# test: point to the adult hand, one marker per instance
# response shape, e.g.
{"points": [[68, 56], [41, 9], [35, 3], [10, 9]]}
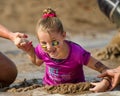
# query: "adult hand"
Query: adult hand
{"points": [[13, 36], [114, 74]]}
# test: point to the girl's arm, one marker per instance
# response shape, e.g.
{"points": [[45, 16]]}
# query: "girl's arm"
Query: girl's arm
{"points": [[98, 66], [27, 46], [33, 57]]}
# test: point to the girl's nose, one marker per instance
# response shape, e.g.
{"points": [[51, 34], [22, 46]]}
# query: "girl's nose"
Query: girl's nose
{"points": [[49, 46]]}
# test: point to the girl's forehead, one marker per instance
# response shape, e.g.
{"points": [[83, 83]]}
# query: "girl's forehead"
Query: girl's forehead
{"points": [[48, 35]]}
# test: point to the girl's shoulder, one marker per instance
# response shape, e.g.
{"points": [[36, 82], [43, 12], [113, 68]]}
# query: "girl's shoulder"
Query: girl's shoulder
{"points": [[73, 44], [76, 48], [78, 53]]}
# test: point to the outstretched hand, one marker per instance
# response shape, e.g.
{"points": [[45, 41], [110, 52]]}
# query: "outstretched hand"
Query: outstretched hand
{"points": [[20, 40], [101, 86], [17, 35], [114, 74]]}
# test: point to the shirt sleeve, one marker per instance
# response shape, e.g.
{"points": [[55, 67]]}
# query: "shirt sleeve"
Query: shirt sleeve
{"points": [[84, 56], [38, 51]]}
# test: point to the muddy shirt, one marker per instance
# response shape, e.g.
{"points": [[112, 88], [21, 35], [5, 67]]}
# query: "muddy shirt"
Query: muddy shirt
{"points": [[69, 70]]}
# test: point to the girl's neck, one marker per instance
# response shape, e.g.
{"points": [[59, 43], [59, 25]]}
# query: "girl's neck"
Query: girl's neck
{"points": [[64, 51]]}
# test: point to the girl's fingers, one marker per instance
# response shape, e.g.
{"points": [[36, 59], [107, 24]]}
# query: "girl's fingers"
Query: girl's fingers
{"points": [[26, 46], [93, 83], [92, 89], [26, 43]]}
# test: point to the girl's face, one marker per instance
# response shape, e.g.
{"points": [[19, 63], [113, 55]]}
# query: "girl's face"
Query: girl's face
{"points": [[52, 43]]}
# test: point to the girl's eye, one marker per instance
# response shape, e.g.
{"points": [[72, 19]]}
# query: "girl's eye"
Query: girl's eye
{"points": [[44, 46], [55, 43]]}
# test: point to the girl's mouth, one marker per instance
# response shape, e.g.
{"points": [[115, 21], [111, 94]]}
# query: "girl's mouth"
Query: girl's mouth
{"points": [[52, 53]]}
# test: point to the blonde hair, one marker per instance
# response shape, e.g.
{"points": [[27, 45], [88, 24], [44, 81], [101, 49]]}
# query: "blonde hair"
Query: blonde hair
{"points": [[50, 22]]}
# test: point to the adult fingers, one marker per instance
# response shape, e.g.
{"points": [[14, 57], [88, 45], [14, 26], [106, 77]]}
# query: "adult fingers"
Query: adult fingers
{"points": [[102, 75], [109, 73], [115, 81], [21, 35]]}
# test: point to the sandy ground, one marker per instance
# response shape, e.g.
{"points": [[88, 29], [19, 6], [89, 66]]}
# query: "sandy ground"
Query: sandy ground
{"points": [[83, 21], [29, 79]]}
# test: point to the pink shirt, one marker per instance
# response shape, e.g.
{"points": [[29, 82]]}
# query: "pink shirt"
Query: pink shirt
{"points": [[69, 70]]}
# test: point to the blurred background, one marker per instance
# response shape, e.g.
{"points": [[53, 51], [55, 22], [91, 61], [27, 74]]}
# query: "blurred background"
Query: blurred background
{"points": [[78, 16]]}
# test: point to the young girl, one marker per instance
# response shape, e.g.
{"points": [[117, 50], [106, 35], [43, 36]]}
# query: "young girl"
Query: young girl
{"points": [[64, 59]]}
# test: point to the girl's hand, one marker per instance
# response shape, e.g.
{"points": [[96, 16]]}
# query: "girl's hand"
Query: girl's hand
{"points": [[101, 86], [23, 44], [114, 74]]}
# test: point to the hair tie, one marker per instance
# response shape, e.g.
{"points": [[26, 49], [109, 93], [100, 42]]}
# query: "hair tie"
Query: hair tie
{"points": [[49, 15]]}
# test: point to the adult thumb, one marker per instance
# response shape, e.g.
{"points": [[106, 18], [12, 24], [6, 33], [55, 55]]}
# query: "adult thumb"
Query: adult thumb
{"points": [[23, 35], [102, 75]]}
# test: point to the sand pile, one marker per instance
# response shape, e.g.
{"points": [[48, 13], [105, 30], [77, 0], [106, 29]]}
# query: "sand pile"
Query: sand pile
{"points": [[78, 88], [68, 88]]}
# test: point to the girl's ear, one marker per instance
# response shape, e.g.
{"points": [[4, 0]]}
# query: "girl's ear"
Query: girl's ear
{"points": [[64, 34]]}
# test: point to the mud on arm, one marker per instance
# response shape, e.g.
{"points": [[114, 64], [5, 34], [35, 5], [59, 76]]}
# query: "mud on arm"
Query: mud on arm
{"points": [[96, 65], [100, 67]]}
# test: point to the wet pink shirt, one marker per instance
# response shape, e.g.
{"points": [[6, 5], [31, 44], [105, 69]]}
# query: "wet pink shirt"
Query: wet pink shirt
{"points": [[69, 70]]}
